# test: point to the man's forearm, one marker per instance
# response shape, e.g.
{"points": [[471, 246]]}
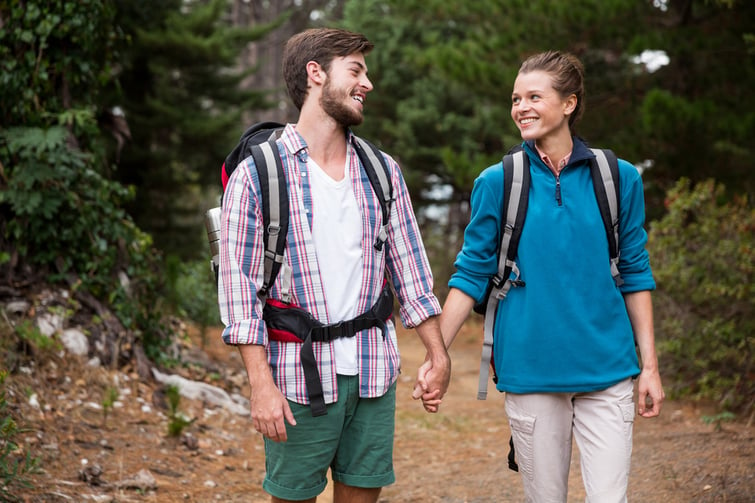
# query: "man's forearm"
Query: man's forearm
{"points": [[254, 357], [429, 333]]}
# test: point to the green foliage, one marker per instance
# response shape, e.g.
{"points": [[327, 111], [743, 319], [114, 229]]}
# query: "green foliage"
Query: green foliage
{"points": [[53, 55], [108, 401], [703, 255], [442, 93], [698, 112], [177, 421], [717, 419], [30, 335], [15, 467], [192, 292], [182, 96], [60, 212]]}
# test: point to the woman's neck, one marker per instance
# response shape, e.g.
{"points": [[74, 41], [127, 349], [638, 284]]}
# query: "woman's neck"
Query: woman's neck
{"points": [[555, 148]]}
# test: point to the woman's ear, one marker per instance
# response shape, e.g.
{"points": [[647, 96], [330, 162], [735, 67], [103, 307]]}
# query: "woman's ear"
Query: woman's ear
{"points": [[570, 104]]}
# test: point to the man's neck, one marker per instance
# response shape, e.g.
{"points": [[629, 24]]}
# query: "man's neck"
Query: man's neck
{"points": [[326, 142]]}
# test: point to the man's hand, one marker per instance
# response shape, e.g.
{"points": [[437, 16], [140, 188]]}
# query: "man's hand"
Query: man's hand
{"points": [[650, 393], [270, 411], [268, 407], [432, 383]]}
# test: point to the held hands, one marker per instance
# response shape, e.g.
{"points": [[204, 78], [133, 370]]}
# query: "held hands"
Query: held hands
{"points": [[650, 393], [432, 383], [269, 410]]}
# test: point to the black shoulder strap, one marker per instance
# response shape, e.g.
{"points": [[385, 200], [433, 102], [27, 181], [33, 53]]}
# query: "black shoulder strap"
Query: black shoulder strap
{"points": [[274, 208], [380, 179], [605, 180]]}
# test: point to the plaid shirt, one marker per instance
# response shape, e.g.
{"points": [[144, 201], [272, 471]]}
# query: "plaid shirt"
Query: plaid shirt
{"points": [[241, 272]]}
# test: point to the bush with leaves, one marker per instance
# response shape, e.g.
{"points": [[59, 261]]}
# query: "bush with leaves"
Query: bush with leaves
{"points": [[192, 292], [61, 214], [703, 255]]}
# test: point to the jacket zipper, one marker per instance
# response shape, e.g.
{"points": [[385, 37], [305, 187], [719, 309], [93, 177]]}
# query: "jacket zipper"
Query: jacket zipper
{"points": [[558, 189]]}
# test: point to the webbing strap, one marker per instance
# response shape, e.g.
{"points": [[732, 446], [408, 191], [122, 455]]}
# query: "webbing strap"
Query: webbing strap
{"points": [[513, 167], [275, 209], [605, 182], [377, 173], [312, 378], [376, 316], [512, 456], [329, 332]]}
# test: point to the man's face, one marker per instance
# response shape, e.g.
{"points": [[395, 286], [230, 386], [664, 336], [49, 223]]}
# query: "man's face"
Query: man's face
{"points": [[345, 89]]}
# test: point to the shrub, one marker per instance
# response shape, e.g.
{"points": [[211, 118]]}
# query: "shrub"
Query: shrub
{"points": [[192, 292], [703, 256]]}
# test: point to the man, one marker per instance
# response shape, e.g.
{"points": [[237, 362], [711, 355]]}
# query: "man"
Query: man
{"points": [[336, 273]]}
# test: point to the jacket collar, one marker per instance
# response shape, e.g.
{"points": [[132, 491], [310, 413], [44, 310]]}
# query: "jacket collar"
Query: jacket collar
{"points": [[580, 151]]}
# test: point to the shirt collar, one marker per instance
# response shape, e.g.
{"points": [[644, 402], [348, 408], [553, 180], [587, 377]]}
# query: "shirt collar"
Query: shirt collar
{"points": [[295, 143], [558, 166]]}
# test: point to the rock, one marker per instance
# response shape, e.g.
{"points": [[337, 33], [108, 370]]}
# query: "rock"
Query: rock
{"points": [[190, 441], [17, 307], [143, 481], [75, 341], [91, 474], [49, 323], [207, 393]]}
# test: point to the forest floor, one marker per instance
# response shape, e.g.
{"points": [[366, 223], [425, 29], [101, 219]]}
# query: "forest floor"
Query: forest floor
{"points": [[455, 456]]}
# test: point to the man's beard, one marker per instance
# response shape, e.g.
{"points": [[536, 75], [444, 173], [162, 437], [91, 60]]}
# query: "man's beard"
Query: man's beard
{"points": [[331, 102]]}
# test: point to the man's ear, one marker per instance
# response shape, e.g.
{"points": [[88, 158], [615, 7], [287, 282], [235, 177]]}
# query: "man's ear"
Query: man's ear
{"points": [[315, 72]]}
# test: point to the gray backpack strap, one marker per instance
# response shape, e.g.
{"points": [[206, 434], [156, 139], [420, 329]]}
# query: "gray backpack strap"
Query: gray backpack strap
{"points": [[274, 210], [515, 197], [605, 175], [379, 176]]}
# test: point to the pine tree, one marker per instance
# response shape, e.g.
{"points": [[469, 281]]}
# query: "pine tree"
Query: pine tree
{"points": [[184, 104]]}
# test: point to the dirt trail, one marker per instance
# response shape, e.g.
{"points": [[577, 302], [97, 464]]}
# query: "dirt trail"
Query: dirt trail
{"points": [[456, 456]]}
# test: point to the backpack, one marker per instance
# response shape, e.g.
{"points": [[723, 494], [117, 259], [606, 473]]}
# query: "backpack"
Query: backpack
{"points": [[259, 141], [516, 182]]}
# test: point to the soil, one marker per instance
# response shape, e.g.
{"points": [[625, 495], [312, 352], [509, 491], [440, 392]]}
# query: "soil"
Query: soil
{"points": [[455, 456]]}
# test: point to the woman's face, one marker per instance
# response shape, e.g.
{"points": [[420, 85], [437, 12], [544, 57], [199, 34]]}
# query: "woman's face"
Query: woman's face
{"points": [[538, 110]]}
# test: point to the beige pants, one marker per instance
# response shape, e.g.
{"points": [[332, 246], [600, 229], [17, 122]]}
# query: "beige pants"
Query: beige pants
{"points": [[542, 426]]}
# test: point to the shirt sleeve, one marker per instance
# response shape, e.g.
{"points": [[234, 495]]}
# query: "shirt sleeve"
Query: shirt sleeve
{"points": [[241, 259], [634, 262], [407, 262], [477, 261]]}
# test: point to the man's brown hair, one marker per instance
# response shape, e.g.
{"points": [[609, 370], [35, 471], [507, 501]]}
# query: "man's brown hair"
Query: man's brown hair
{"points": [[320, 45]]}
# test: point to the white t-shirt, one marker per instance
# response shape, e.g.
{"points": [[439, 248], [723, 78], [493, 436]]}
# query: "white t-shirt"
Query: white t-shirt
{"points": [[337, 234]]}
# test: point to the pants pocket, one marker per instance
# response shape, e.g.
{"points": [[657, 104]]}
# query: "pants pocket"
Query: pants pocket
{"points": [[522, 429], [628, 415]]}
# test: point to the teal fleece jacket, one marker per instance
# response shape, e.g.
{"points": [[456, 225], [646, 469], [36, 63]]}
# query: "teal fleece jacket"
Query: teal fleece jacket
{"points": [[567, 328]]}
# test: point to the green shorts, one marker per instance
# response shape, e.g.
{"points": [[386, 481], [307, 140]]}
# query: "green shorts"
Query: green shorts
{"points": [[354, 439]]}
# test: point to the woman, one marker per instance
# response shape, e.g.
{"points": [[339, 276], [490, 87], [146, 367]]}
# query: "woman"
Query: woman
{"points": [[564, 343]]}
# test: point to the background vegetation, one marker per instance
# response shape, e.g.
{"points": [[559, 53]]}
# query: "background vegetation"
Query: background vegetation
{"points": [[115, 116]]}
